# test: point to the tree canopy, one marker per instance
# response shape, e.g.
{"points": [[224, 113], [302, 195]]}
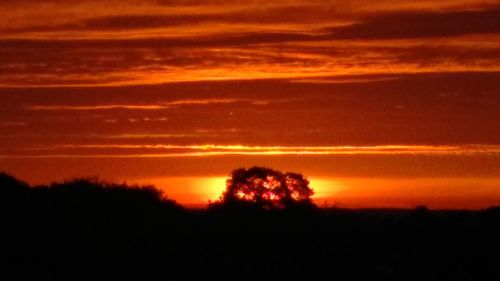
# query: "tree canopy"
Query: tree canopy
{"points": [[267, 188]]}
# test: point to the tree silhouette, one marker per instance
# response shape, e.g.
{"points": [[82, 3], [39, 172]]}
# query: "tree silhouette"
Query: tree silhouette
{"points": [[267, 188]]}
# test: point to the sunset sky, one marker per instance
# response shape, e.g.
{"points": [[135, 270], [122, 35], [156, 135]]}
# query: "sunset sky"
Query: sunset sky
{"points": [[379, 103]]}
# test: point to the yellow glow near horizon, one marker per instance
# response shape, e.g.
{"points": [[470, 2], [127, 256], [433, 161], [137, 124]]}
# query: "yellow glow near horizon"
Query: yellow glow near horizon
{"points": [[190, 191], [198, 191], [325, 189]]}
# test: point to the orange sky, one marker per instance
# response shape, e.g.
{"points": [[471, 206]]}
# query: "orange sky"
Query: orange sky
{"points": [[380, 103]]}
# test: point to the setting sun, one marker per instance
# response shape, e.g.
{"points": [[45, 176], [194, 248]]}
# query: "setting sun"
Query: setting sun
{"points": [[191, 191]]}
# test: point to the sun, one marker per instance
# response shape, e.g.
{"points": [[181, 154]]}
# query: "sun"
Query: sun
{"points": [[195, 191], [325, 188], [212, 187]]}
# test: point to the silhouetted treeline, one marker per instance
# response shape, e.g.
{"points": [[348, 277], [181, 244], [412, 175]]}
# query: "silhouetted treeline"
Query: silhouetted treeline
{"points": [[89, 230]]}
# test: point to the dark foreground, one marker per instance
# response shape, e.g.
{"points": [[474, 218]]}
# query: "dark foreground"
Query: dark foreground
{"points": [[84, 231]]}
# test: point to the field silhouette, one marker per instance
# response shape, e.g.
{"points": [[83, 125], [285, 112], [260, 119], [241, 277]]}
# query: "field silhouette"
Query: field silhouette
{"points": [[86, 229]]}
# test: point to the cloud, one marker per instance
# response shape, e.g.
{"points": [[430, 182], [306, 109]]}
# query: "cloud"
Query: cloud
{"points": [[13, 124], [304, 22], [264, 16], [97, 107], [157, 106], [166, 150], [380, 42], [57, 15], [216, 40], [405, 25], [53, 63]]}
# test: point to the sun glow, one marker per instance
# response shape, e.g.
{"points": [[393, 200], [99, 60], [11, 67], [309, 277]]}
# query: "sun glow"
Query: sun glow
{"points": [[199, 191], [325, 189], [190, 191]]}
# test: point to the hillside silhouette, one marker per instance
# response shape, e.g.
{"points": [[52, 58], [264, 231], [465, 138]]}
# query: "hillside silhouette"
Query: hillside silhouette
{"points": [[87, 229]]}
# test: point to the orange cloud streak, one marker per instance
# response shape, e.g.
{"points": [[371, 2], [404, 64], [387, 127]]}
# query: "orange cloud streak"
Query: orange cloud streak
{"points": [[221, 150]]}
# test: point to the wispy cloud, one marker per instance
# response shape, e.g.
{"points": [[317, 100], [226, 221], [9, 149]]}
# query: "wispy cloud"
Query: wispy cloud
{"points": [[167, 150], [147, 43], [158, 106], [13, 124], [97, 107], [406, 24]]}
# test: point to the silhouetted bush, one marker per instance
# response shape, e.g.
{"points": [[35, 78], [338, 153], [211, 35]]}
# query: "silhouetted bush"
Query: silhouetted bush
{"points": [[8, 182], [13, 193]]}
